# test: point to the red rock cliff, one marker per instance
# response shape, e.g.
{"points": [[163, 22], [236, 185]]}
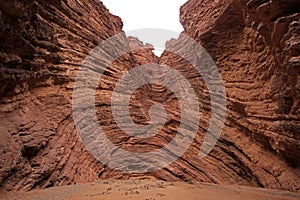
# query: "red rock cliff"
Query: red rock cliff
{"points": [[42, 45], [255, 45]]}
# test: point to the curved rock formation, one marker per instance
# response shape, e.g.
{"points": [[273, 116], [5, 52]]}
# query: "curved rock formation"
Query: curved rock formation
{"points": [[43, 44], [255, 45]]}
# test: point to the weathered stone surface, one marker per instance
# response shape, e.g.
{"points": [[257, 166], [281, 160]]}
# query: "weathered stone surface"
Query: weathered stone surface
{"points": [[142, 52], [42, 45], [255, 45]]}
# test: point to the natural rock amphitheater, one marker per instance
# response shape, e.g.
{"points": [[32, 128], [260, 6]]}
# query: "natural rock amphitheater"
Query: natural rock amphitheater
{"points": [[255, 45]]}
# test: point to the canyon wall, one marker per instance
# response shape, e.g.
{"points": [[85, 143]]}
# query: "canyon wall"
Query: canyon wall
{"points": [[255, 45], [43, 43]]}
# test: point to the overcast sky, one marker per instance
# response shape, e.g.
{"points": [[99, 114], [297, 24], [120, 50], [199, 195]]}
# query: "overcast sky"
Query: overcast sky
{"points": [[147, 13], [139, 14]]}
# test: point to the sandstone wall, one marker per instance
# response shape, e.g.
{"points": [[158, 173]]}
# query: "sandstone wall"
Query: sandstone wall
{"points": [[255, 45]]}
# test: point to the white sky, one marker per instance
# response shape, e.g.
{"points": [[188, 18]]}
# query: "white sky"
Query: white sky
{"points": [[147, 13], [138, 14]]}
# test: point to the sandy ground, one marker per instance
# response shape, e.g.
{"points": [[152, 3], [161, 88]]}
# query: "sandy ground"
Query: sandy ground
{"points": [[150, 190]]}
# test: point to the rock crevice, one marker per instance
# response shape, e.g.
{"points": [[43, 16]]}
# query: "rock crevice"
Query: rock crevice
{"points": [[255, 45]]}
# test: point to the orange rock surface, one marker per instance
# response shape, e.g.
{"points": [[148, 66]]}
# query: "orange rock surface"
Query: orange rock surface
{"points": [[255, 45]]}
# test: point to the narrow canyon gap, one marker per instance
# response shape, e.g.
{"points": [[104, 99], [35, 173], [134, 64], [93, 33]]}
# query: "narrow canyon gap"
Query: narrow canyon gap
{"points": [[255, 45]]}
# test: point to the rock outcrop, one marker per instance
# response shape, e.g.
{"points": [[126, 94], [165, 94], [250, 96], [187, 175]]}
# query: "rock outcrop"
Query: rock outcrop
{"points": [[255, 45], [42, 45]]}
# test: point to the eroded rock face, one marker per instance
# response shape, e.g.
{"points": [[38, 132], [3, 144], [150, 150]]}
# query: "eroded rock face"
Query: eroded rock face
{"points": [[255, 45], [42, 45]]}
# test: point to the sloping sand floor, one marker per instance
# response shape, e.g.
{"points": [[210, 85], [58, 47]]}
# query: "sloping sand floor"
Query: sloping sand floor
{"points": [[150, 190]]}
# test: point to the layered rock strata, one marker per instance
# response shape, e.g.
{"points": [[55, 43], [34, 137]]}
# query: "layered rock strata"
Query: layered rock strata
{"points": [[255, 45]]}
